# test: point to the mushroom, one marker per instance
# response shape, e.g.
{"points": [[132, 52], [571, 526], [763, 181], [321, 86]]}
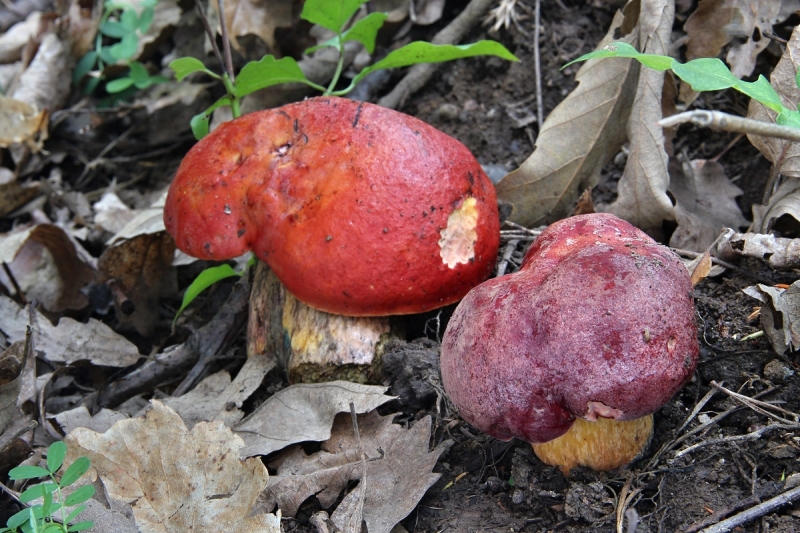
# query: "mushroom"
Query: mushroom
{"points": [[359, 210], [574, 352]]}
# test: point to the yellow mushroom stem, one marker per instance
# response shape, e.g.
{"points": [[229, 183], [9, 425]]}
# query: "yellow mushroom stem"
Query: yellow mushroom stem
{"points": [[602, 445]]}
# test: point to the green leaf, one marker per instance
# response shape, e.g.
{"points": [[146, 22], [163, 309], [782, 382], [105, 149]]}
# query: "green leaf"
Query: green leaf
{"points": [[55, 455], [145, 19], [705, 74], [138, 73], [106, 55], [621, 49], [125, 49], [91, 84], [199, 122], [81, 526], [27, 472], [129, 20], [331, 14], [761, 91], [186, 65], [421, 52], [84, 66], [268, 72], [81, 494], [19, 518], [790, 118], [204, 280], [75, 512], [112, 28], [75, 471], [37, 491], [365, 30], [119, 85]]}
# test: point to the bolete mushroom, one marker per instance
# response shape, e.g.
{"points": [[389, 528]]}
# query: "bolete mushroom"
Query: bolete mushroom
{"points": [[358, 209], [574, 352]]}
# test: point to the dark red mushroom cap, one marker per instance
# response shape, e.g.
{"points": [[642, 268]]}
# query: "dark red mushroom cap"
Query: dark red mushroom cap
{"points": [[359, 210], [599, 321]]}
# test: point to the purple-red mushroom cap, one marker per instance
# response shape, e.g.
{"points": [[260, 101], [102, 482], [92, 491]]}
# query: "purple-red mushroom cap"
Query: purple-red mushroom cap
{"points": [[598, 322]]}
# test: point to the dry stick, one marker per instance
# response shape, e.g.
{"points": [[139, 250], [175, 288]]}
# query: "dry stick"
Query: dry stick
{"points": [[226, 44], [537, 66], [203, 344], [716, 120], [209, 32], [759, 406], [419, 74], [755, 512], [727, 511]]}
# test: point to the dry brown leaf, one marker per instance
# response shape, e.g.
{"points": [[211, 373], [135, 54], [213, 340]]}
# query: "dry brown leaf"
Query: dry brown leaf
{"points": [[80, 417], [779, 252], [219, 398], [425, 12], [784, 202], [12, 363], [256, 17], [705, 204], [176, 479], [702, 269], [13, 195], [755, 17], [21, 123], [783, 154], [46, 82], [707, 28], [642, 191], [141, 273], [14, 40], [69, 341], [780, 314], [165, 14], [398, 471], [46, 266], [583, 132], [304, 412]]}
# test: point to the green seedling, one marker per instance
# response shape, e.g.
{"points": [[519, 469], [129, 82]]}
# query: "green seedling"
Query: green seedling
{"points": [[41, 518], [705, 74], [121, 22], [334, 16]]}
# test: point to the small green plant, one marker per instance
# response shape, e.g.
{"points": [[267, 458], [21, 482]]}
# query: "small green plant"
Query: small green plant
{"points": [[333, 15], [119, 21], [705, 74], [41, 518]]}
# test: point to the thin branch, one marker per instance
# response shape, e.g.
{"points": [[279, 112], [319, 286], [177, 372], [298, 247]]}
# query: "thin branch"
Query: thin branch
{"points": [[716, 120], [210, 33], [537, 65], [755, 512], [226, 43]]}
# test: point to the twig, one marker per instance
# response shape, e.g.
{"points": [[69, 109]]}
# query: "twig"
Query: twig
{"points": [[419, 74], [717, 120], [537, 65], [754, 512], [206, 340], [761, 407], [722, 513], [209, 32], [753, 435], [226, 44]]}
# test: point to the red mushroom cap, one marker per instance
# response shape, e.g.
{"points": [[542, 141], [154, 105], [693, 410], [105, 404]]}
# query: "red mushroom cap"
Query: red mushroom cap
{"points": [[359, 210], [599, 321]]}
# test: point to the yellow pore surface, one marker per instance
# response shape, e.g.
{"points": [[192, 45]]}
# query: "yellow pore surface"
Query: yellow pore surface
{"points": [[603, 445]]}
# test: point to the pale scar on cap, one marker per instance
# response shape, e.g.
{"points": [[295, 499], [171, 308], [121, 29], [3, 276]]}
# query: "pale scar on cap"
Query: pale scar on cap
{"points": [[457, 244]]}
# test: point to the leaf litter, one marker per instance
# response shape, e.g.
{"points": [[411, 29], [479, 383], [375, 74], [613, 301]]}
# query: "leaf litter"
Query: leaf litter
{"points": [[468, 479]]}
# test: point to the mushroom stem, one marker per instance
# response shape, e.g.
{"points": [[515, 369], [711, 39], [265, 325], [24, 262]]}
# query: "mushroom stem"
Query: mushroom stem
{"points": [[603, 445], [313, 346]]}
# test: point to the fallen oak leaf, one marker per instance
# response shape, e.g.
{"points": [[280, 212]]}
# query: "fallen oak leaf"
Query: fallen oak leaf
{"points": [[176, 479]]}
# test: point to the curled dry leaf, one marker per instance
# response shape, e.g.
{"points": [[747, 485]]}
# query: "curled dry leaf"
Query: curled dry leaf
{"points": [[785, 201], [780, 314], [14, 195], [70, 340], [176, 479], [14, 40], [778, 251], [783, 154], [397, 474], [304, 412], [642, 191], [141, 273], [46, 266], [583, 132], [46, 82]]}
